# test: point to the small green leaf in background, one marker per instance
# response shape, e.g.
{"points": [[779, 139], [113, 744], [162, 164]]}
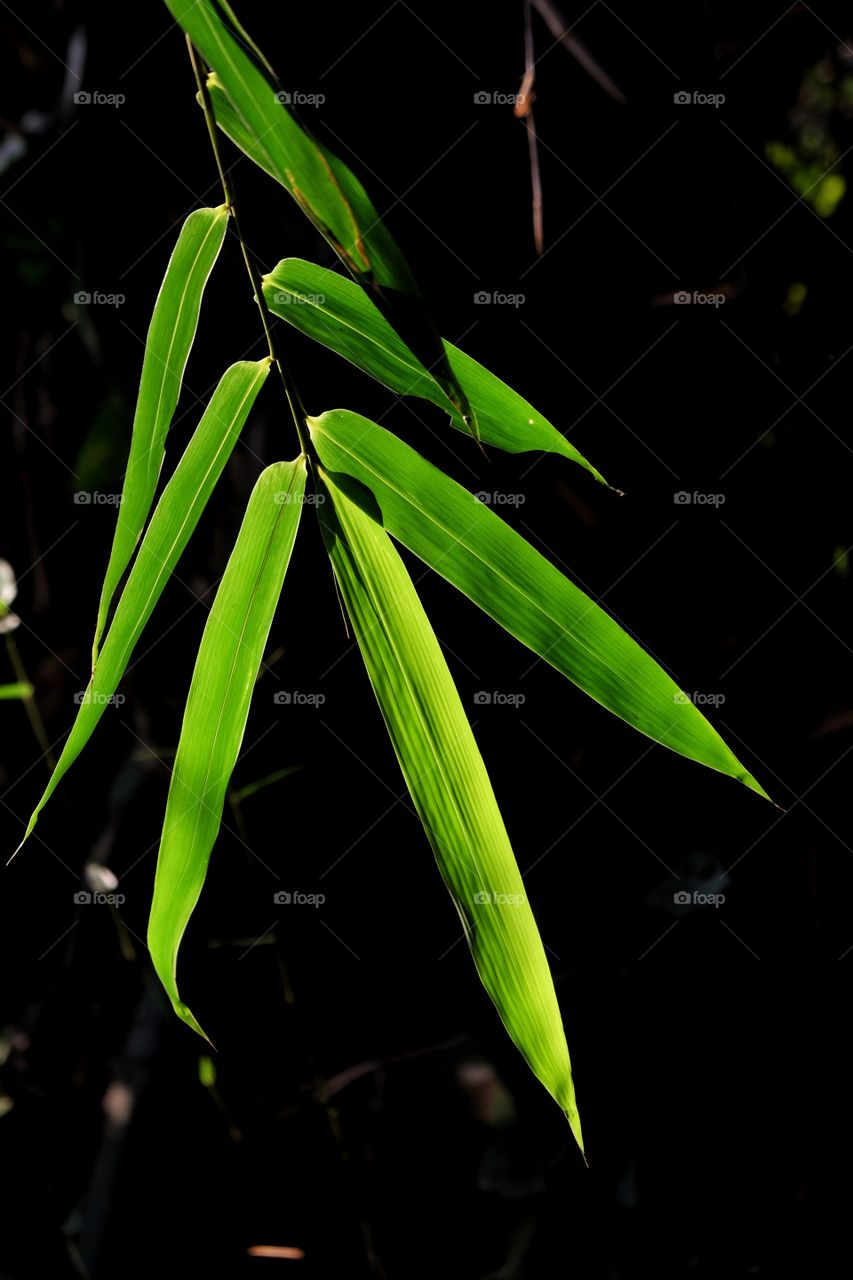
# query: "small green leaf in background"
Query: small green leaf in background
{"points": [[21, 691], [170, 337], [445, 774], [226, 668], [331, 309], [250, 106], [463, 540], [175, 516]]}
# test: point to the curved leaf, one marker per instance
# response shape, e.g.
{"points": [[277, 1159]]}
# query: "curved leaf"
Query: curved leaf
{"points": [[470, 546], [331, 309], [217, 708], [251, 106], [175, 516], [170, 337], [445, 774]]}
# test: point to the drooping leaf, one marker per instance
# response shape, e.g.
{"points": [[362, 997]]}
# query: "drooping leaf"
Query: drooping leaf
{"points": [[445, 774], [170, 337], [174, 518], [252, 108], [331, 309], [463, 540], [217, 709]]}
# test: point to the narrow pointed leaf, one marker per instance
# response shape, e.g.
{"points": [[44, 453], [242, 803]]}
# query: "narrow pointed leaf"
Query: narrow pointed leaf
{"points": [[331, 309], [252, 107], [445, 774], [174, 518], [217, 709], [170, 337], [463, 540]]}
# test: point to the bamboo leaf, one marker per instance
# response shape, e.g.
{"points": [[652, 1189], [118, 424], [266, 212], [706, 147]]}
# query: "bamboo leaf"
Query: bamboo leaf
{"points": [[217, 709], [175, 516], [448, 782], [170, 337], [20, 690], [331, 309], [250, 105], [463, 540]]}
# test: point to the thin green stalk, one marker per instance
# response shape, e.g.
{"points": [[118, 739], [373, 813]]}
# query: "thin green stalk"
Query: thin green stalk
{"points": [[36, 722], [290, 390]]}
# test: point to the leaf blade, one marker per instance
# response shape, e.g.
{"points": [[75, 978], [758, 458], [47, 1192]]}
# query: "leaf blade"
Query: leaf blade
{"points": [[251, 107], [447, 779], [217, 709], [332, 310], [464, 541], [168, 532], [170, 337]]}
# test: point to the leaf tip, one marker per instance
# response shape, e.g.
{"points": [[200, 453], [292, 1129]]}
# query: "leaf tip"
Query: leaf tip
{"points": [[186, 1015]]}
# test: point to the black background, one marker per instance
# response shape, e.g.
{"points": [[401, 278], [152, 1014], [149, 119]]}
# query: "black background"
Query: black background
{"points": [[708, 1044]]}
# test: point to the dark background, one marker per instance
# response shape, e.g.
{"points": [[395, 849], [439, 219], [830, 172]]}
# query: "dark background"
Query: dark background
{"points": [[368, 1108]]}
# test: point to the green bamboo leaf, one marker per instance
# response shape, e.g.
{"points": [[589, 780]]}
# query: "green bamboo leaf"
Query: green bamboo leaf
{"points": [[332, 310], [170, 337], [217, 709], [20, 690], [448, 782], [463, 540], [175, 516], [250, 105]]}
